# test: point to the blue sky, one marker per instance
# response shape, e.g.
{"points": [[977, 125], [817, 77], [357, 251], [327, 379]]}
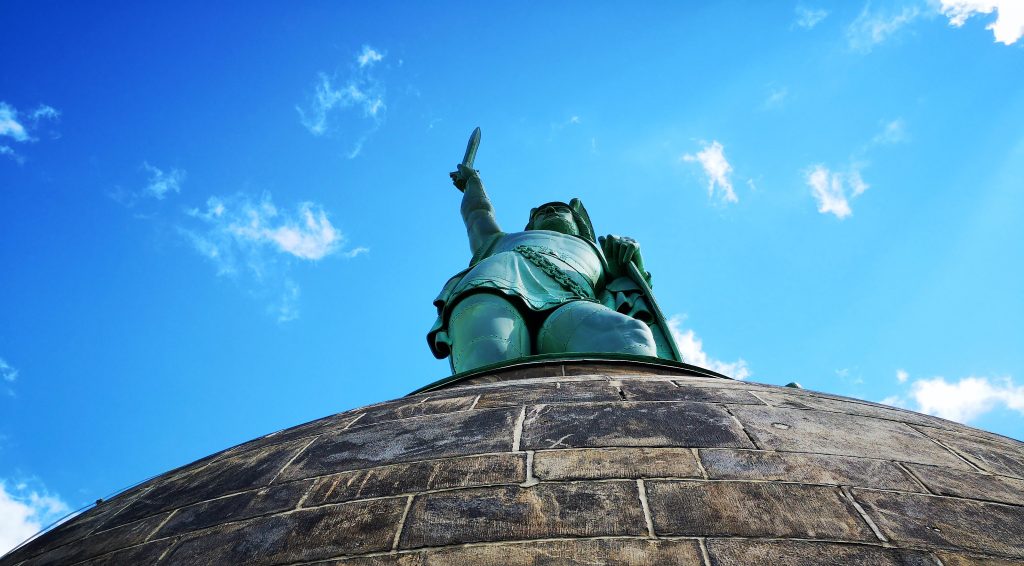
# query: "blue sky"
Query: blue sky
{"points": [[219, 221]]}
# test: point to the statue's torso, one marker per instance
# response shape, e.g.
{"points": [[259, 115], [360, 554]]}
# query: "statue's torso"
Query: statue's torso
{"points": [[543, 268]]}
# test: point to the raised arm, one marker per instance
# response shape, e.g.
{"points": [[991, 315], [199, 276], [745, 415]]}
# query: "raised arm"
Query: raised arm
{"points": [[477, 211]]}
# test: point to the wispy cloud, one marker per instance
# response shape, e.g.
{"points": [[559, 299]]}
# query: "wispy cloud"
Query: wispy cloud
{"points": [[776, 96], [1008, 26], [254, 241], [8, 375], [369, 56], [716, 168], [351, 105], [893, 131], [832, 189], [807, 18], [161, 183], [963, 400], [22, 130], [24, 511], [692, 349], [874, 27]]}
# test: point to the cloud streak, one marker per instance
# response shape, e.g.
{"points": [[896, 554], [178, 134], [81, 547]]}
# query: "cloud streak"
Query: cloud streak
{"points": [[717, 170], [22, 130], [352, 106], [830, 189], [963, 400], [24, 511], [255, 242], [872, 28], [692, 349], [807, 18], [1008, 26]]}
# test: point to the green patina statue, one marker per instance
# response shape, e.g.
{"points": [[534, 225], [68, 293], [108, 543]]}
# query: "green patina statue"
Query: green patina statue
{"points": [[553, 288]]}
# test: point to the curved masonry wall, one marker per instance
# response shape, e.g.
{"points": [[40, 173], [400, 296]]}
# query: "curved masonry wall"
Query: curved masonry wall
{"points": [[578, 463]]}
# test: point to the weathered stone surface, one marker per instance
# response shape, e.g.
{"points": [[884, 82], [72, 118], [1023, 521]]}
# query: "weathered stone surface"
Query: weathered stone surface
{"points": [[732, 552], [626, 463], [836, 433], [808, 468], [813, 400], [615, 368], [579, 552], [147, 553], [996, 457], [305, 535], [720, 508], [946, 522], [237, 507], [630, 424], [419, 476], [567, 392], [413, 408], [101, 542], [252, 469], [950, 559], [596, 441], [513, 513], [650, 390], [971, 485], [436, 436]]}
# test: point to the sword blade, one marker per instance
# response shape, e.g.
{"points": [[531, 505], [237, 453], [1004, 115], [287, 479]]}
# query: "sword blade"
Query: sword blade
{"points": [[471, 147]]}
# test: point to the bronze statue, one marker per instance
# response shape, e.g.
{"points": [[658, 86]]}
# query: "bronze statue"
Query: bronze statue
{"points": [[552, 288]]}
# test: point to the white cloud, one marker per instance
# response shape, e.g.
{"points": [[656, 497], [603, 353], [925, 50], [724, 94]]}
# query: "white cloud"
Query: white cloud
{"points": [[827, 188], [902, 376], [807, 18], [255, 242], [329, 109], [161, 183], [369, 56], [963, 400], [692, 349], [776, 96], [893, 131], [1008, 26], [717, 168], [7, 373], [873, 28], [9, 124], [24, 511]]}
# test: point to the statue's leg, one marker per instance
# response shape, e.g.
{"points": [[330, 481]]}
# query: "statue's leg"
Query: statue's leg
{"points": [[582, 326], [485, 329]]}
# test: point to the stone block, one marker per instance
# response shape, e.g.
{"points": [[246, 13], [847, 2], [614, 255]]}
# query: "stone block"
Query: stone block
{"points": [[408, 408], [505, 513], [806, 468], [246, 505], [813, 400], [304, 535], [1005, 458], [946, 522], [148, 553], [419, 476], [950, 559], [649, 390], [631, 424], [244, 471], [733, 552], [762, 509], [971, 485], [430, 437], [578, 552], [567, 392], [837, 433], [607, 463], [100, 542]]}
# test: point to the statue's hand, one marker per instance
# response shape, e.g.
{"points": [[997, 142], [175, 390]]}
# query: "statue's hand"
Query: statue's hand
{"points": [[620, 252], [462, 175]]}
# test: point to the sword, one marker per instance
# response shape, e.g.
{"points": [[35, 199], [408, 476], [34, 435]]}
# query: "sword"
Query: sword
{"points": [[469, 157]]}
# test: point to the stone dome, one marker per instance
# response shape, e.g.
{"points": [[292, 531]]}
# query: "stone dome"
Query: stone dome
{"points": [[578, 462]]}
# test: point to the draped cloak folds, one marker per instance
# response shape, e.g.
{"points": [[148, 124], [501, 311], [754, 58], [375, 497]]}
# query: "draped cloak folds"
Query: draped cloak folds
{"points": [[539, 270]]}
